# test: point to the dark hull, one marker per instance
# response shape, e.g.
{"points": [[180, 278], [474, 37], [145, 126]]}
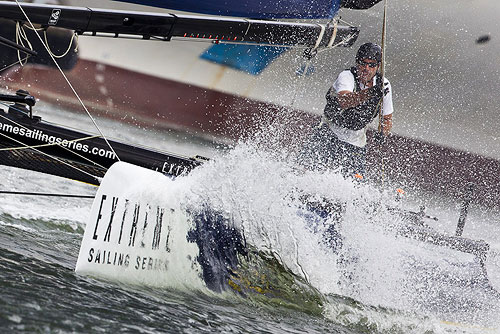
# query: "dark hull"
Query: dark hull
{"points": [[30, 143]]}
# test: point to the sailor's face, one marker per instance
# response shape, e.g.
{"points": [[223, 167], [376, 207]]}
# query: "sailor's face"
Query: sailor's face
{"points": [[367, 69]]}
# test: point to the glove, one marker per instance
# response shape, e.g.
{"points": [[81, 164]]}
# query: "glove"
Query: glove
{"points": [[378, 91], [385, 88], [379, 138], [375, 93]]}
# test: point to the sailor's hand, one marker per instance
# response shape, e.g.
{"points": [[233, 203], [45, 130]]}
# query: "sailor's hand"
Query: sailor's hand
{"points": [[375, 92], [385, 88], [330, 95], [379, 90]]}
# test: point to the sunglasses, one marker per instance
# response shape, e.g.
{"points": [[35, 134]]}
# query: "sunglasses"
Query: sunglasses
{"points": [[372, 65]]}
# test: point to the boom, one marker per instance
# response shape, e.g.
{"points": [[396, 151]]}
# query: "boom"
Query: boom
{"points": [[168, 26]]}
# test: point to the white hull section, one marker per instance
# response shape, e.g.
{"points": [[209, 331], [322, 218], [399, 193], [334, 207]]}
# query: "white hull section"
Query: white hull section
{"points": [[136, 233]]}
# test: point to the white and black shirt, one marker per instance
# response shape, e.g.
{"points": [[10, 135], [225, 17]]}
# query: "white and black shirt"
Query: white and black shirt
{"points": [[345, 82]]}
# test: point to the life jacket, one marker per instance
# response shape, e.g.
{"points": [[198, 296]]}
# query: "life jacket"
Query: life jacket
{"points": [[355, 118]]}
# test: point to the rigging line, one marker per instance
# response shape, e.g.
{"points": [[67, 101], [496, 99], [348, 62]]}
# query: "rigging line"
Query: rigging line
{"points": [[320, 36], [191, 40], [309, 53], [68, 82], [334, 34], [20, 35], [69, 46], [75, 140], [382, 64], [248, 28], [345, 22], [33, 29], [309, 60], [347, 38], [382, 74], [45, 145], [75, 35], [24, 36], [55, 158], [6, 192], [19, 148], [299, 81], [15, 63]]}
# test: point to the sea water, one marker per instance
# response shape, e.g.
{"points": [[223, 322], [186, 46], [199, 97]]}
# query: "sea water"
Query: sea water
{"points": [[377, 283]]}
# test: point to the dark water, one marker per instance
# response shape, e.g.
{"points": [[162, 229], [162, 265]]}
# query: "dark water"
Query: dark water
{"points": [[393, 289], [41, 293]]}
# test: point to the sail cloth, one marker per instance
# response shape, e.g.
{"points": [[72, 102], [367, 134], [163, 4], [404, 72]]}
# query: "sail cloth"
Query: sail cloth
{"points": [[255, 9]]}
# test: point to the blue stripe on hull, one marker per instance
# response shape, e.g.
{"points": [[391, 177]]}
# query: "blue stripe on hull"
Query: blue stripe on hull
{"points": [[252, 59]]}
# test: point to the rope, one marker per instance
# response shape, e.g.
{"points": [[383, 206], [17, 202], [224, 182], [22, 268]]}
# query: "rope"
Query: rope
{"points": [[20, 36], [320, 36], [334, 34], [314, 50], [68, 82], [6, 192], [33, 29], [52, 157], [338, 44], [25, 59], [297, 84], [248, 28], [381, 116], [69, 46], [382, 66]]}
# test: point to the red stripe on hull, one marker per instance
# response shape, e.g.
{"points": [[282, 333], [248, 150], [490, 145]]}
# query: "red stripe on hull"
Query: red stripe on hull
{"points": [[141, 99], [436, 169]]}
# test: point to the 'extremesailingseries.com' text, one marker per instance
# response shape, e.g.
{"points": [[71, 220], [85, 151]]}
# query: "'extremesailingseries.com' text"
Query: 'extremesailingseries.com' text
{"points": [[53, 140]]}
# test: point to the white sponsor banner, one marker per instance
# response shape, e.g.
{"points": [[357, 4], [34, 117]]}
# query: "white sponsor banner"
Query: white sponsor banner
{"points": [[137, 231]]}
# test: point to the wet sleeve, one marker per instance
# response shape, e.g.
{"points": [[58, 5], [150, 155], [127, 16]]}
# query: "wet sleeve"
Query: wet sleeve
{"points": [[345, 81]]}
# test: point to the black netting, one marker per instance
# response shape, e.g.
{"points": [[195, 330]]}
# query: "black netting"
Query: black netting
{"points": [[32, 160]]}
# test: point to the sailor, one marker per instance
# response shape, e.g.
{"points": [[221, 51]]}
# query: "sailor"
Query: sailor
{"points": [[354, 101]]}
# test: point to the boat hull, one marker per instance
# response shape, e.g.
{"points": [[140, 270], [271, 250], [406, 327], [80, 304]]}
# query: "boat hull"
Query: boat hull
{"points": [[141, 99], [144, 100]]}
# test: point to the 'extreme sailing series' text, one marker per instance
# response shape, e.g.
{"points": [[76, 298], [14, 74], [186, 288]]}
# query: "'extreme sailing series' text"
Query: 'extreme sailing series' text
{"points": [[130, 235], [39, 135]]}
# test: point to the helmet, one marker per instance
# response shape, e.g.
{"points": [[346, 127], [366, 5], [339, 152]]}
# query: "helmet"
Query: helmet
{"points": [[369, 51]]}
